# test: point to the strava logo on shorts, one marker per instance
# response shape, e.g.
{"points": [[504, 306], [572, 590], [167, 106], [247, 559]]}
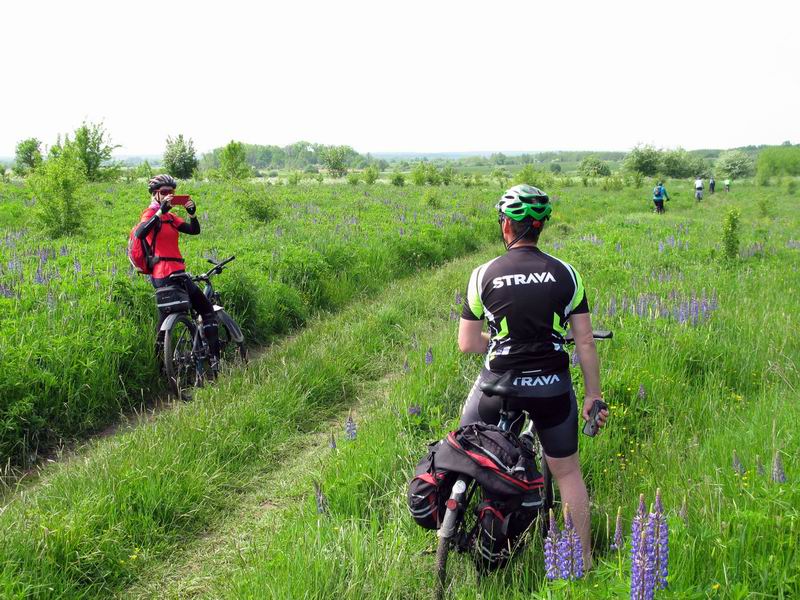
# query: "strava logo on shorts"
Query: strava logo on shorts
{"points": [[521, 279], [532, 381]]}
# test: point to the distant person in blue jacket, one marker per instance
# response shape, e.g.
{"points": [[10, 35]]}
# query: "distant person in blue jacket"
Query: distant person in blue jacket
{"points": [[659, 194]]}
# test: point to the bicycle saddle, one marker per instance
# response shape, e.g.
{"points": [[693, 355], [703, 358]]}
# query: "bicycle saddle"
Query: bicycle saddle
{"points": [[500, 387]]}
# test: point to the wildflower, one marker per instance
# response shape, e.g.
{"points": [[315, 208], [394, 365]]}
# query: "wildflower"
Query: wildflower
{"points": [[618, 247], [322, 501], [575, 360], [429, 356], [570, 550], [459, 299], [453, 315], [642, 393], [661, 542], [778, 474], [77, 265], [406, 368], [737, 464], [760, 466], [551, 549], [616, 545], [63, 251], [350, 428], [414, 410], [332, 442]]}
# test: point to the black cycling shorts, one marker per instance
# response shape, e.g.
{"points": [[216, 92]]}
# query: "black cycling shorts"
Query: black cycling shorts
{"points": [[552, 407]]}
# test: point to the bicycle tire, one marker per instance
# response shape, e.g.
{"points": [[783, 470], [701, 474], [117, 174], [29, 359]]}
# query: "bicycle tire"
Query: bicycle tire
{"points": [[179, 363], [442, 550]]}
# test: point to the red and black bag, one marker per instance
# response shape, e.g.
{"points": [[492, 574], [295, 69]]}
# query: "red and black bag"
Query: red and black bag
{"points": [[429, 490]]}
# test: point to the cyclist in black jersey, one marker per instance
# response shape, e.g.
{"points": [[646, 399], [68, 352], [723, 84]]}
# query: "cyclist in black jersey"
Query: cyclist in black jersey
{"points": [[528, 299]]}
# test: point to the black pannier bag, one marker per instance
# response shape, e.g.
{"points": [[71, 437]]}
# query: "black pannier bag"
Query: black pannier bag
{"points": [[172, 299], [504, 468]]}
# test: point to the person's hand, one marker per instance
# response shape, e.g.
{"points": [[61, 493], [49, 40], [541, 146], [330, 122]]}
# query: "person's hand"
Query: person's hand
{"points": [[587, 407], [191, 207], [165, 205]]}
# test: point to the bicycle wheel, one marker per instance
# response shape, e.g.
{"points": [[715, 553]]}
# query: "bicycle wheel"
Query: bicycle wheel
{"points": [[179, 360], [231, 353], [441, 567]]}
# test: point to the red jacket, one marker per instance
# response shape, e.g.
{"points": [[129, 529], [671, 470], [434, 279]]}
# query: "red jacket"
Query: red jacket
{"points": [[166, 243]]}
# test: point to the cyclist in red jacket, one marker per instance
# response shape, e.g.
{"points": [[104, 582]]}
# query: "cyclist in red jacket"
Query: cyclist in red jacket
{"points": [[169, 268]]}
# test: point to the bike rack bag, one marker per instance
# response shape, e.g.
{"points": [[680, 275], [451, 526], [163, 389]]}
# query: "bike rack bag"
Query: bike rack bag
{"points": [[171, 299]]}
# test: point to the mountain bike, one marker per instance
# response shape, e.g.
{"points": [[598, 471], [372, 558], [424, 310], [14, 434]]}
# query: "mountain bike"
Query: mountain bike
{"points": [[459, 528], [187, 356]]}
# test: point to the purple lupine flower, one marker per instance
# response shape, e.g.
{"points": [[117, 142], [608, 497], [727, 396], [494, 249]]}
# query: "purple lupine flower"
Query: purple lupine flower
{"points": [[760, 466], [414, 410], [429, 356], [650, 550], [459, 299], [39, 277], [332, 442], [113, 270], [322, 501], [638, 565], [453, 315], [778, 474], [616, 544], [642, 392], [660, 247], [662, 543], [637, 526], [618, 247], [738, 467], [406, 368], [570, 549], [612, 307], [77, 265], [350, 428], [63, 250], [5, 291]]}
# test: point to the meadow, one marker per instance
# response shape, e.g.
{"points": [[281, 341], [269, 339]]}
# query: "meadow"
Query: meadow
{"points": [[259, 489], [77, 326]]}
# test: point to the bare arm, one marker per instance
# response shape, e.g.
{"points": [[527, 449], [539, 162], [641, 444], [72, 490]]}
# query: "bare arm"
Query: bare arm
{"points": [[581, 325], [471, 337]]}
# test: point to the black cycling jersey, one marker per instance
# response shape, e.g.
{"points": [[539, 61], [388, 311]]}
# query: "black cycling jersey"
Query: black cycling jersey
{"points": [[527, 296]]}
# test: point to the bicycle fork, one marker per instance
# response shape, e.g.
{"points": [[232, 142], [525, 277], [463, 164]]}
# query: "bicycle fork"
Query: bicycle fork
{"points": [[453, 504]]}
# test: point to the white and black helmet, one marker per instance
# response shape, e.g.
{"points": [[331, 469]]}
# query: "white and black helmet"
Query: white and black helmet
{"points": [[160, 181]]}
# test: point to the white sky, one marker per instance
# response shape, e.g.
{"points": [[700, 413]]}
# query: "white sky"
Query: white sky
{"points": [[436, 75]]}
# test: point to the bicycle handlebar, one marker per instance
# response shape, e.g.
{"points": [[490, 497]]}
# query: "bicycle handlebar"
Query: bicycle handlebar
{"points": [[215, 270]]}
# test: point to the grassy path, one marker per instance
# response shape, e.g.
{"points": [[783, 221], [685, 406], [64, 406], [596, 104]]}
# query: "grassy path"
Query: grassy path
{"points": [[94, 525]]}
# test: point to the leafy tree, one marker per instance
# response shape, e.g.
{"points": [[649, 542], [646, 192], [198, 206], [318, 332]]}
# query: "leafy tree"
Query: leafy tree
{"points": [[643, 159], [93, 147], [180, 159], [419, 174], [4, 173], [371, 174], [398, 179], [28, 157], [679, 163], [447, 174], [432, 176], [734, 164], [233, 162], [591, 166], [555, 168], [335, 160], [144, 170], [779, 160], [55, 184]]}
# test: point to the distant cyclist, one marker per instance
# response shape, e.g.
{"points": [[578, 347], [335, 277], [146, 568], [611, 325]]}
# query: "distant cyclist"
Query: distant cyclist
{"points": [[528, 298], [698, 189], [169, 268], [711, 185], [727, 183], [659, 194]]}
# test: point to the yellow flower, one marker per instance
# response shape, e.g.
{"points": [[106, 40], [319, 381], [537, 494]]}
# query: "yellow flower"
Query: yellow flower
{"points": [[715, 587]]}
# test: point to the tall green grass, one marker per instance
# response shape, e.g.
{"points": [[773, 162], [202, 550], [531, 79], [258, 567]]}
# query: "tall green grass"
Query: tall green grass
{"points": [[92, 525], [77, 326], [684, 397]]}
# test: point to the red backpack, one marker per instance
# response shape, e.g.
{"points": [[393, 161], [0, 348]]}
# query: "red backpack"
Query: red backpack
{"points": [[140, 253]]}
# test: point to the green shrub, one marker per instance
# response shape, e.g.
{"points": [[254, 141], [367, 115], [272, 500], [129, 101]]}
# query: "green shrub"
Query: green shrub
{"points": [[591, 166], [398, 179], [353, 178], [55, 184], [419, 174], [791, 186], [294, 178], [260, 208], [730, 235], [371, 174], [430, 198]]}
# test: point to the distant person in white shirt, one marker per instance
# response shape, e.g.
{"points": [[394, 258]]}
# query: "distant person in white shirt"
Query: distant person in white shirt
{"points": [[698, 189]]}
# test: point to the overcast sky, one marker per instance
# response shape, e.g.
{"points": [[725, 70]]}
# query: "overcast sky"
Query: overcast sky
{"points": [[434, 75]]}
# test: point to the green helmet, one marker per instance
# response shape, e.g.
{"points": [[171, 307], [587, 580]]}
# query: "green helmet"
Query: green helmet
{"points": [[523, 201]]}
